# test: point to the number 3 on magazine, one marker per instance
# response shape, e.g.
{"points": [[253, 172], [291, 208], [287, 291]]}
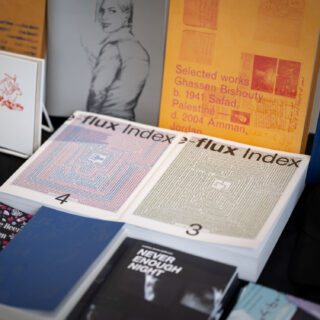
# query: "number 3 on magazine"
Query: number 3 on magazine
{"points": [[194, 229]]}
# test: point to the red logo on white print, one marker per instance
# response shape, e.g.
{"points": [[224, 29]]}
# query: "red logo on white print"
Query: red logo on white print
{"points": [[9, 92]]}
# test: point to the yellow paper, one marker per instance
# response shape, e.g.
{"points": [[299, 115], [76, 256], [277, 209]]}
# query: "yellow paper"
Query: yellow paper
{"points": [[241, 70], [22, 27]]}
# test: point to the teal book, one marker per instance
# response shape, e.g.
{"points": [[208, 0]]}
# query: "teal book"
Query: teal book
{"points": [[257, 302]]}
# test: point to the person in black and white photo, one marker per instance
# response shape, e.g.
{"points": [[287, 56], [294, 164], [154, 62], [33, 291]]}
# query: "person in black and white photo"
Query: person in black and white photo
{"points": [[121, 69]]}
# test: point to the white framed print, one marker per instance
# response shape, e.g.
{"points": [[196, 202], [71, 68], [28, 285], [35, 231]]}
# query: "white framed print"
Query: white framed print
{"points": [[21, 98]]}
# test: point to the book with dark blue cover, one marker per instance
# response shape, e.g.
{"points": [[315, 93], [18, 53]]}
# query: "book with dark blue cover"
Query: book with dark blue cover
{"points": [[49, 256]]}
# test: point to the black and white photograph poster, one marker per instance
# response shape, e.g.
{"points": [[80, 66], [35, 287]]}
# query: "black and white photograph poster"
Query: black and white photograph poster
{"points": [[106, 56]]}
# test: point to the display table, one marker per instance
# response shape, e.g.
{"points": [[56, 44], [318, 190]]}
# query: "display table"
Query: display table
{"points": [[279, 272]]}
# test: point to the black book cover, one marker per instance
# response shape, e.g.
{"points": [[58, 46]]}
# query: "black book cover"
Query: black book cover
{"points": [[148, 281]]}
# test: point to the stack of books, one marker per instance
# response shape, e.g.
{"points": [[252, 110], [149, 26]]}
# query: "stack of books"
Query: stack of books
{"points": [[233, 199]]}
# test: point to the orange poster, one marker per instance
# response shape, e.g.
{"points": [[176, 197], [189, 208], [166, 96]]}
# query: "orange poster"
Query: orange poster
{"points": [[241, 70], [22, 27]]}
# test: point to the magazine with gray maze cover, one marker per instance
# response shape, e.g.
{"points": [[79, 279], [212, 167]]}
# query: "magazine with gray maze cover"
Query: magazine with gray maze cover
{"points": [[217, 190]]}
